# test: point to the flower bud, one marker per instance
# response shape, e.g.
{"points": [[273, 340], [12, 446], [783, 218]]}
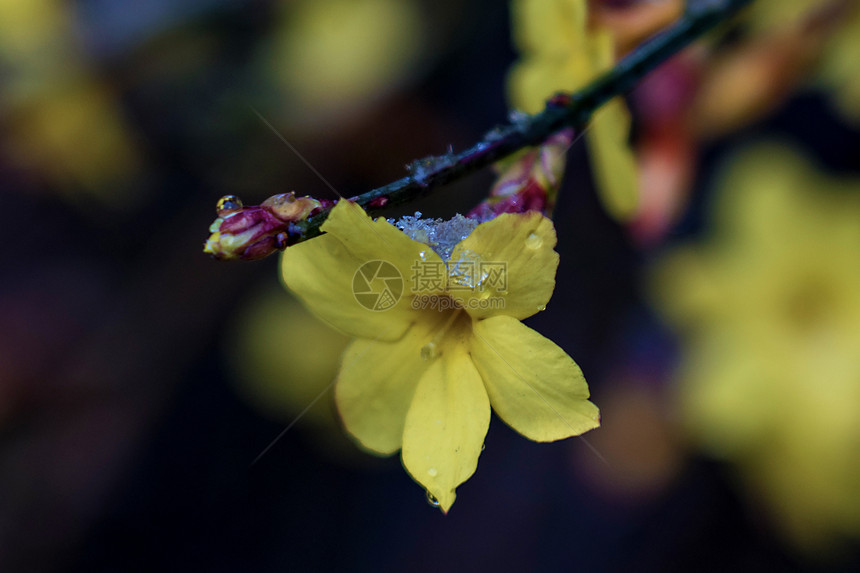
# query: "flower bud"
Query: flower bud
{"points": [[251, 233], [529, 181]]}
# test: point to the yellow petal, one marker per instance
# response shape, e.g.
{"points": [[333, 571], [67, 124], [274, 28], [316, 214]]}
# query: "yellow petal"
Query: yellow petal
{"points": [[552, 38], [513, 266], [447, 422], [530, 83], [533, 385], [330, 273], [534, 80], [554, 27], [612, 159], [377, 381]]}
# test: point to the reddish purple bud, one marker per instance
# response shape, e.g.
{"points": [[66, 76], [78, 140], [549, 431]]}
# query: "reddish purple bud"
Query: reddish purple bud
{"points": [[531, 197], [529, 181], [251, 233]]}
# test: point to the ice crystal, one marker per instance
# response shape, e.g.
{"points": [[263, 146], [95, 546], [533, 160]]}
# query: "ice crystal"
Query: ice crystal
{"points": [[440, 235]]}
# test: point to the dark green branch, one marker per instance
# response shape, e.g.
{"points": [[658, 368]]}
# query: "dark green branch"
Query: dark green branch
{"points": [[561, 112]]}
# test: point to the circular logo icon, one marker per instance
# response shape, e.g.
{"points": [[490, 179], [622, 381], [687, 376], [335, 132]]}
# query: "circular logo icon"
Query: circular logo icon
{"points": [[377, 285]]}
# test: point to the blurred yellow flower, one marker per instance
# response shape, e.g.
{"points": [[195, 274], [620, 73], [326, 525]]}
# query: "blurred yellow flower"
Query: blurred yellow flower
{"points": [[52, 101], [562, 53], [428, 364], [332, 57], [769, 308], [838, 24], [286, 360]]}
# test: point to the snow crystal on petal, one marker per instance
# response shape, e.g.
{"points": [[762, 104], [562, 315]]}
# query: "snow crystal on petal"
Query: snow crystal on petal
{"points": [[440, 235]]}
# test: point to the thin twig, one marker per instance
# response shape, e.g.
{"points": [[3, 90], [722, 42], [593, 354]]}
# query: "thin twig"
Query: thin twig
{"points": [[560, 112]]}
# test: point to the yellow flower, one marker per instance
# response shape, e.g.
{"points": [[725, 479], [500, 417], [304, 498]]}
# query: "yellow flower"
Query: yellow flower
{"points": [[770, 307], [561, 53], [422, 374]]}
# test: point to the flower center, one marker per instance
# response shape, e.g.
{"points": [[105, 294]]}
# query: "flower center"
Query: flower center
{"points": [[433, 348]]}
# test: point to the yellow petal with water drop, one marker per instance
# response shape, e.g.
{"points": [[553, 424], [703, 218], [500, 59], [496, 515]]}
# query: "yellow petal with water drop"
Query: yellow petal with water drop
{"points": [[377, 381], [322, 272], [513, 265], [534, 386], [447, 420]]}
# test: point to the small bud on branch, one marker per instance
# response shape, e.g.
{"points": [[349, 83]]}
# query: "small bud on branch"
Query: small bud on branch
{"points": [[251, 233]]}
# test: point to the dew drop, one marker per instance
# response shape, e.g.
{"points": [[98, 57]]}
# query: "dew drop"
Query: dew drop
{"points": [[433, 472], [533, 241], [428, 351], [228, 203], [484, 295], [431, 499], [423, 255], [541, 307], [483, 447]]}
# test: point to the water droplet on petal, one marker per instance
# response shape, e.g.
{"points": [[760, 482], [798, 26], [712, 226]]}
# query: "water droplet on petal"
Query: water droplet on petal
{"points": [[431, 499], [533, 241], [428, 351], [461, 272], [433, 472], [484, 295], [541, 307], [423, 255], [228, 203], [483, 447]]}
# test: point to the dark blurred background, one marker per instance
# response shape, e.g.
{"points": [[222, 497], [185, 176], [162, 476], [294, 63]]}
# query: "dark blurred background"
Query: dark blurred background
{"points": [[140, 379]]}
